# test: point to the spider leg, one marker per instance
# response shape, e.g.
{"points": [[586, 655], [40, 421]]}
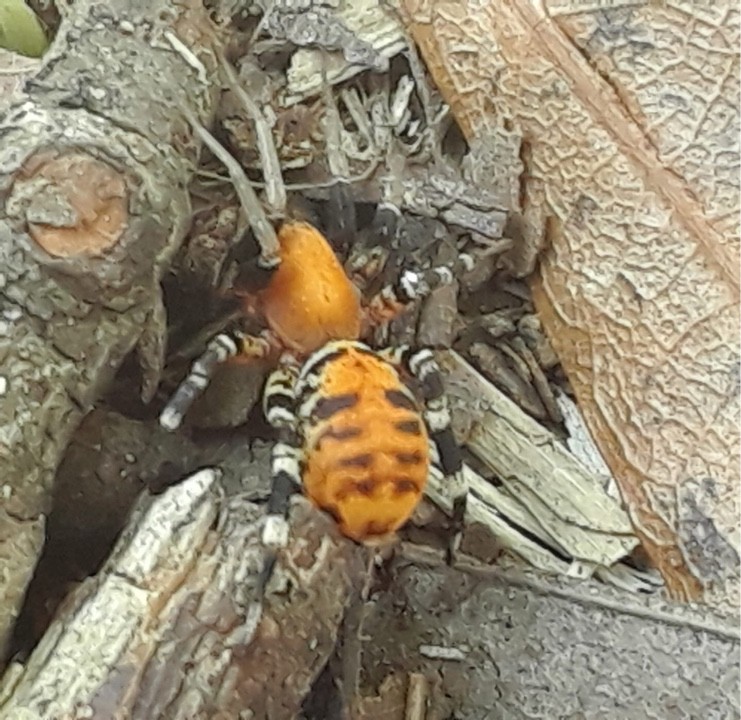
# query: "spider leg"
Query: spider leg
{"points": [[386, 222], [412, 285], [341, 219], [221, 348], [285, 467], [421, 364]]}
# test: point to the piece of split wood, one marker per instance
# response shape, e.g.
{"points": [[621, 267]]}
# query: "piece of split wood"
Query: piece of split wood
{"points": [[545, 490], [378, 26], [174, 625]]}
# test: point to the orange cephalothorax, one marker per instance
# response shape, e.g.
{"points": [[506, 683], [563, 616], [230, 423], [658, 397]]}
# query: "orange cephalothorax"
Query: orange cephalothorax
{"points": [[365, 445], [310, 300]]}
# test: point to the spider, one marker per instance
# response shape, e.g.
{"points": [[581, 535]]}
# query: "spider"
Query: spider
{"points": [[351, 433]]}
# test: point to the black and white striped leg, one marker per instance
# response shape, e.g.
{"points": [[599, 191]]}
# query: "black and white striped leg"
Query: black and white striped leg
{"points": [[285, 466], [218, 350], [424, 368], [416, 284], [386, 223], [412, 285], [421, 364], [223, 347]]}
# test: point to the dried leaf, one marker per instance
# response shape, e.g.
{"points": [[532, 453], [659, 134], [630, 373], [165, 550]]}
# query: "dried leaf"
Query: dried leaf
{"points": [[629, 121]]}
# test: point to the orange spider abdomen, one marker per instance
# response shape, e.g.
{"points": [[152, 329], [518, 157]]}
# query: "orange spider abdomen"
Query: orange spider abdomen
{"points": [[310, 300], [366, 447]]}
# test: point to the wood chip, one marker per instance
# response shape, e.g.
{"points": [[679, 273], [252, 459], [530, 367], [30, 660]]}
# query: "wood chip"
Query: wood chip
{"points": [[563, 506]]}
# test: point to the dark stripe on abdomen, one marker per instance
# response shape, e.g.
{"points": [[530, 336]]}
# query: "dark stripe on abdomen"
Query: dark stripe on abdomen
{"points": [[400, 399], [339, 434], [326, 407], [409, 458], [362, 488], [402, 486], [361, 461], [410, 427]]}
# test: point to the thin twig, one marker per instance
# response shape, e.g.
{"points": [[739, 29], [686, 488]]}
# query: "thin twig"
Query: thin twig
{"points": [[319, 185], [336, 159], [417, 692], [274, 188], [258, 220]]}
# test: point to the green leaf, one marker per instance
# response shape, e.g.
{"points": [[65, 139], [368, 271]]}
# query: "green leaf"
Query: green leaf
{"points": [[20, 29]]}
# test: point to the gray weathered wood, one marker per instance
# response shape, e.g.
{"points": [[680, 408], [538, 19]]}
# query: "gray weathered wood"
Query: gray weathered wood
{"points": [[106, 100], [544, 490], [174, 624]]}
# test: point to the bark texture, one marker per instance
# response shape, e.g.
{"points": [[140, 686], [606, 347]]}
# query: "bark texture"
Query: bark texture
{"points": [[174, 625], [95, 162], [630, 157]]}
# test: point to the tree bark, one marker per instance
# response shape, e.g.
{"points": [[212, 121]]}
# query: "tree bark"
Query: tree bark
{"points": [[94, 168], [175, 624]]}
